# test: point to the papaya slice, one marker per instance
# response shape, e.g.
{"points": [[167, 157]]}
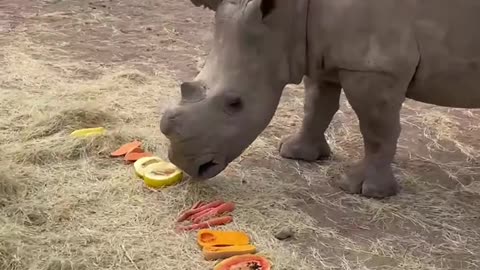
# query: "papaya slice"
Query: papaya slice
{"points": [[211, 253], [142, 163], [126, 148], [208, 237], [244, 262]]}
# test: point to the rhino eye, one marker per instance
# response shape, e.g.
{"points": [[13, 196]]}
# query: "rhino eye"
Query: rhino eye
{"points": [[234, 104]]}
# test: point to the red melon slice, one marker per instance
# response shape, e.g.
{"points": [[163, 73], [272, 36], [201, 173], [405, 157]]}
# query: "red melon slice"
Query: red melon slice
{"points": [[136, 154], [124, 149], [244, 262]]}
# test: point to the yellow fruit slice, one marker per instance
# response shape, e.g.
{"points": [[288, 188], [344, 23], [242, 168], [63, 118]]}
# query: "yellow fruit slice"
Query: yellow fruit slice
{"points": [[142, 163], [161, 174], [207, 237], [86, 132]]}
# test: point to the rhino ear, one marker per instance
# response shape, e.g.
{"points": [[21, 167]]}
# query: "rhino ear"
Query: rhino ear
{"points": [[192, 91], [211, 4], [267, 6]]}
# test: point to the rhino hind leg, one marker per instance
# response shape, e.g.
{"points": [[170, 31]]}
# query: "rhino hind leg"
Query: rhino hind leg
{"points": [[321, 104], [377, 100]]}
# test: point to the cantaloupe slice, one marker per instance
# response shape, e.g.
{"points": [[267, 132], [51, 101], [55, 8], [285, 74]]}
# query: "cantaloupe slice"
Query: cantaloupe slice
{"points": [[161, 174]]}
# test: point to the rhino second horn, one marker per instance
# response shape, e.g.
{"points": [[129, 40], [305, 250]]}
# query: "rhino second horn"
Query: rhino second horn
{"points": [[192, 91]]}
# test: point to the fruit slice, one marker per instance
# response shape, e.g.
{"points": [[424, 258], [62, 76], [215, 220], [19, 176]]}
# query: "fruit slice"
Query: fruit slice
{"points": [[244, 262], [211, 253], [162, 174], [86, 132], [124, 149], [208, 237], [196, 209], [218, 221], [136, 154], [214, 212], [142, 163]]}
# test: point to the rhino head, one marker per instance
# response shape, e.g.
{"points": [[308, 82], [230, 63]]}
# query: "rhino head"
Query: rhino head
{"points": [[258, 48]]}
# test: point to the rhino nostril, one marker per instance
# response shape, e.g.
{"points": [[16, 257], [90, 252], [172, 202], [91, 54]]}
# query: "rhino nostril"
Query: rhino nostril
{"points": [[206, 167]]}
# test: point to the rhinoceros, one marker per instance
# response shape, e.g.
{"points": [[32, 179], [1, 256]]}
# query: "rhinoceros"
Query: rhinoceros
{"points": [[379, 52]]}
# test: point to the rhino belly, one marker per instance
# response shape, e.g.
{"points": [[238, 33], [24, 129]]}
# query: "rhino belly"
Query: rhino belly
{"points": [[448, 39], [457, 85]]}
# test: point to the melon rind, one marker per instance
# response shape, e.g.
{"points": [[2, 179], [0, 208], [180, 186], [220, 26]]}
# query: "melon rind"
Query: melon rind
{"points": [[154, 181], [139, 165]]}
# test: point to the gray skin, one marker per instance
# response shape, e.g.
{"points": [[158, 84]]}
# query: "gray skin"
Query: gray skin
{"points": [[380, 52]]}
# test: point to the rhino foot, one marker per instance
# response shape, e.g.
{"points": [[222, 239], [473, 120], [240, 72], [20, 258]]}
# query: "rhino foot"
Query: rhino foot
{"points": [[373, 182], [300, 148]]}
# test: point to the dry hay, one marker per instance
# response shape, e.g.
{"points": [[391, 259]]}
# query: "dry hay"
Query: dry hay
{"points": [[80, 208], [65, 204], [9, 187], [68, 120]]}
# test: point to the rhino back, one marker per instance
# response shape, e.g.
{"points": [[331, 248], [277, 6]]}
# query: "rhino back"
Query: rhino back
{"points": [[438, 38], [367, 35]]}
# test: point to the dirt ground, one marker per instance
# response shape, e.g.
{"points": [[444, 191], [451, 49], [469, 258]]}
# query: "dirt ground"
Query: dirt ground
{"points": [[65, 204]]}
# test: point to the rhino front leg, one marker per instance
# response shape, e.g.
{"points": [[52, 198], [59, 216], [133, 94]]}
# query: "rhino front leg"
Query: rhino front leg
{"points": [[321, 103], [377, 100]]}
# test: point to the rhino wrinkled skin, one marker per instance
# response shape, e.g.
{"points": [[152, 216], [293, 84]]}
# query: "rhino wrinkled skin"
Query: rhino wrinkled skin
{"points": [[380, 52]]}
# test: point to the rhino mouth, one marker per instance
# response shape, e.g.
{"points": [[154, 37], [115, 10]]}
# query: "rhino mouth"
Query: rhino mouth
{"points": [[210, 169]]}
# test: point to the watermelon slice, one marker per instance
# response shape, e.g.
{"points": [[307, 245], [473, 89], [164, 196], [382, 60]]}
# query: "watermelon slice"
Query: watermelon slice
{"points": [[244, 262]]}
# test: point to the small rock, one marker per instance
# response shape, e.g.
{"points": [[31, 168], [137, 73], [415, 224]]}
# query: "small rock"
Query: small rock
{"points": [[80, 266], [55, 265], [284, 234], [58, 264], [35, 219]]}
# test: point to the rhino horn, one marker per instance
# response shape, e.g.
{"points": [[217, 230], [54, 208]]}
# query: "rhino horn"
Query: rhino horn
{"points": [[192, 91], [211, 4]]}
